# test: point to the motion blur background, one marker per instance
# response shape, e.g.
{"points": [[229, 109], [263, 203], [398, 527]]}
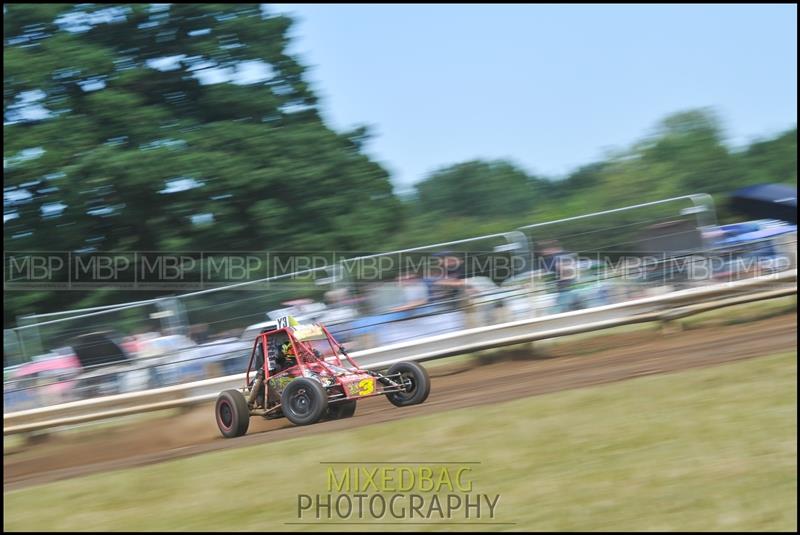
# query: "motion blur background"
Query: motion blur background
{"points": [[199, 128], [395, 172], [198, 131]]}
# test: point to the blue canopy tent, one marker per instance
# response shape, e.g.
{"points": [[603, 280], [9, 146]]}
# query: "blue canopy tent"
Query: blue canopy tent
{"points": [[767, 201]]}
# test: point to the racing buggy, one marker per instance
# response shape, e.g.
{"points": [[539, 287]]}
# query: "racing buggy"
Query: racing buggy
{"points": [[314, 384]]}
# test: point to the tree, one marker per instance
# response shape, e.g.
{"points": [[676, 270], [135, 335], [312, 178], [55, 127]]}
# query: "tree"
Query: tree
{"points": [[771, 160], [174, 127], [478, 189], [689, 149]]}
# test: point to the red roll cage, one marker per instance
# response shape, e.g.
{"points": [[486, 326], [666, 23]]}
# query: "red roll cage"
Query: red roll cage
{"points": [[302, 349]]}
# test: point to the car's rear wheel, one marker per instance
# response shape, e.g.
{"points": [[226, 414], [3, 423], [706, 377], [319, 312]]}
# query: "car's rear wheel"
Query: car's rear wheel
{"points": [[233, 415], [343, 409], [304, 401], [415, 381]]}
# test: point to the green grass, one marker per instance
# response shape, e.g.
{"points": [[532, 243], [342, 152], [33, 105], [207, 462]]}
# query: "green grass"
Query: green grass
{"points": [[743, 313], [705, 449]]}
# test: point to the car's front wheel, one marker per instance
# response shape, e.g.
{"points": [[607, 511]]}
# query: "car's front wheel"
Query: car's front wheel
{"points": [[415, 381], [304, 401]]}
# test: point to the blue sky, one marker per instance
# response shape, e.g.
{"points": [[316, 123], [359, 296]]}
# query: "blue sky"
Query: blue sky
{"points": [[551, 87]]}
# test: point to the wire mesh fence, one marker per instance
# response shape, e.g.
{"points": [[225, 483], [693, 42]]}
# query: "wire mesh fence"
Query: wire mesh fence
{"points": [[369, 300]]}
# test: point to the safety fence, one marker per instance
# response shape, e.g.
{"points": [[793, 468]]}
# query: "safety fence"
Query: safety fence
{"points": [[381, 299], [659, 308]]}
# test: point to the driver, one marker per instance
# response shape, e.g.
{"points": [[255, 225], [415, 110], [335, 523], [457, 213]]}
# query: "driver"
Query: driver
{"points": [[288, 357]]}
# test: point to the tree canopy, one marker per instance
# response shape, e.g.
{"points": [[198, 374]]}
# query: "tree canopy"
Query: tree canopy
{"points": [[685, 153], [128, 128], [479, 188]]}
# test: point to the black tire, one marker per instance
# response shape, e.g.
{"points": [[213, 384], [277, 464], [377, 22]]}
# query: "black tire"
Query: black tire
{"points": [[233, 415], [304, 401], [419, 384], [342, 409]]}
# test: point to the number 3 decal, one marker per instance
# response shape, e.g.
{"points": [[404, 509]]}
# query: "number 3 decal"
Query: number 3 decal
{"points": [[366, 387]]}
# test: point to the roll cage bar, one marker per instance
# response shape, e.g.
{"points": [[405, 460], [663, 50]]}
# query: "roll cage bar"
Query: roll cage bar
{"points": [[301, 348]]}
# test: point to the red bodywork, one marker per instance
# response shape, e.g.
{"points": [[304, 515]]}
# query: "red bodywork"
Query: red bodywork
{"points": [[355, 382]]}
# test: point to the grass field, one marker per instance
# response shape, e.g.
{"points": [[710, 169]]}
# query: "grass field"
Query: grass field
{"points": [[705, 449], [742, 313]]}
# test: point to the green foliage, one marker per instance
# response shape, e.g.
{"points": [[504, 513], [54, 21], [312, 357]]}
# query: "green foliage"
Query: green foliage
{"points": [[773, 160], [131, 150], [476, 188], [686, 153]]}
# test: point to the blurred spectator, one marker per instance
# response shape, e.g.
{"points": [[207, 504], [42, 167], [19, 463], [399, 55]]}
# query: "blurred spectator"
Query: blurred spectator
{"points": [[562, 267], [447, 296], [199, 333], [446, 281], [414, 292]]}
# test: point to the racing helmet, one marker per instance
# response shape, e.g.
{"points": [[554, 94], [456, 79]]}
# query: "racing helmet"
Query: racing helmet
{"points": [[288, 351]]}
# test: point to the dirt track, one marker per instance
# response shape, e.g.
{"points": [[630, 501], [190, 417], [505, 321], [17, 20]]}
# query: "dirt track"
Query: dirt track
{"points": [[620, 357]]}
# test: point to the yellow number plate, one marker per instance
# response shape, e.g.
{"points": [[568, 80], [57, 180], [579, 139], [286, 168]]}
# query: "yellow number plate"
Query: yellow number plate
{"points": [[366, 386]]}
